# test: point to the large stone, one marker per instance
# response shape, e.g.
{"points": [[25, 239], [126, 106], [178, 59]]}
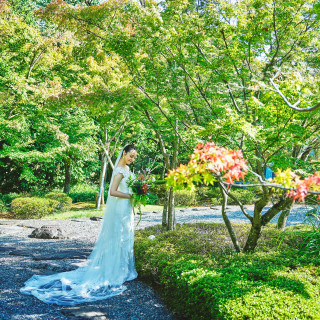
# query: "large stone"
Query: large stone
{"points": [[48, 232]]}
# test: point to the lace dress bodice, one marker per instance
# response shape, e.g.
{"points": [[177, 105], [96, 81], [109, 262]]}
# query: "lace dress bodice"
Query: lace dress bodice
{"points": [[123, 186]]}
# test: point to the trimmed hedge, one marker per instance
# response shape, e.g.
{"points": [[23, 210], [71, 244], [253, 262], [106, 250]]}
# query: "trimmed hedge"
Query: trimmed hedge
{"points": [[182, 197], [26, 208], [213, 194], [201, 277], [159, 189], [185, 198], [85, 192], [64, 200]]}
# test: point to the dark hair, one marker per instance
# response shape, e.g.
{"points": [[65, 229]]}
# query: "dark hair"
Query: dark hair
{"points": [[129, 147]]}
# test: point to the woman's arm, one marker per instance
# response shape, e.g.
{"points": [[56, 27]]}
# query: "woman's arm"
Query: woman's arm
{"points": [[114, 188]]}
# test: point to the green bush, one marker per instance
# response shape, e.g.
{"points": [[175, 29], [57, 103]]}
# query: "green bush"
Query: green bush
{"points": [[33, 207], [311, 242], [85, 192], [8, 197], [200, 279], [3, 207], [208, 193], [65, 201], [160, 190], [185, 198], [152, 199], [246, 196]]}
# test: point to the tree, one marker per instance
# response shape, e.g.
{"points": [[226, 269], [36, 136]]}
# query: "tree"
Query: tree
{"points": [[210, 164], [207, 66], [34, 139]]}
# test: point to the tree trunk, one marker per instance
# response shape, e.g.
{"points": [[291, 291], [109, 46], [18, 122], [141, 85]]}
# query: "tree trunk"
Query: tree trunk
{"points": [[67, 176], [256, 226], [171, 212], [253, 237], [227, 221], [282, 220], [163, 173], [168, 216], [165, 210], [262, 220]]}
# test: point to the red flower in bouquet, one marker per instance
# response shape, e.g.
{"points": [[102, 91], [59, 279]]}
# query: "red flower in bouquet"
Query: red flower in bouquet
{"points": [[141, 184]]}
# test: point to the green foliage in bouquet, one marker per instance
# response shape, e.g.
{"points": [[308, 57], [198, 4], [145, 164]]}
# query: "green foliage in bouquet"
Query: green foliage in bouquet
{"points": [[139, 187]]}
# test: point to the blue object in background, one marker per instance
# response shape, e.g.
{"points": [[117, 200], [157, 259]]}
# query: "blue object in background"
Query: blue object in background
{"points": [[268, 173]]}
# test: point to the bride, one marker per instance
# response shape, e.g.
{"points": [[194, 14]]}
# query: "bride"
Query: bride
{"points": [[111, 261]]}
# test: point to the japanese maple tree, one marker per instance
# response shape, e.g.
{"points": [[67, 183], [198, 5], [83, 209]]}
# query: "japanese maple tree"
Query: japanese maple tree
{"points": [[210, 163]]}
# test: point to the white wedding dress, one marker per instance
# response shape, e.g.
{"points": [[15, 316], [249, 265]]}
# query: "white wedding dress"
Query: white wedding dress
{"points": [[108, 266]]}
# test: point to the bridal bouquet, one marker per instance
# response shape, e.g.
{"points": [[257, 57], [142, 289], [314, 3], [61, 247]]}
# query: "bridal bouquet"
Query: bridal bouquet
{"points": [[139, 187]]}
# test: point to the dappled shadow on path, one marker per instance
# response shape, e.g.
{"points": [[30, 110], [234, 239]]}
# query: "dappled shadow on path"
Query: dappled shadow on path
{"points": [[21, 258]]}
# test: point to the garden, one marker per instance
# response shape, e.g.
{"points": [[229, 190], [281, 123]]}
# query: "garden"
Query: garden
{"points": [[221, 101]]}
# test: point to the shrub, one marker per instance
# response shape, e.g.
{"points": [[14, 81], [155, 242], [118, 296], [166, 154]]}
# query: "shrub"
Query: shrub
{"points": [[160, 190], [152, 199], [65, 202], [85, 192], [208, 193], [3, 207], [201, 281], [185, 198], [311, 238], [33, 207], [246, 196], [8, 197]]}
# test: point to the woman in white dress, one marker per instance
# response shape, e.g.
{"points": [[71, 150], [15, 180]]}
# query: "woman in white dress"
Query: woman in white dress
{"points": [[111, 261]]}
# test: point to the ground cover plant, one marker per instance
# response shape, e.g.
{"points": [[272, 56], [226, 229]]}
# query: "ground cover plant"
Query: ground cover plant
{"points": [[201, 277]]}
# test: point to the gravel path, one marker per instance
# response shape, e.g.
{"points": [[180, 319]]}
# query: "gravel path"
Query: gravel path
{"points": [[21, 257]]}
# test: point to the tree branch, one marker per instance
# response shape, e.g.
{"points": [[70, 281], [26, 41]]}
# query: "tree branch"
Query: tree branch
{"points": [[107, 154], [292, 106], [34, 61], [266, 184], [235, 199]]}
